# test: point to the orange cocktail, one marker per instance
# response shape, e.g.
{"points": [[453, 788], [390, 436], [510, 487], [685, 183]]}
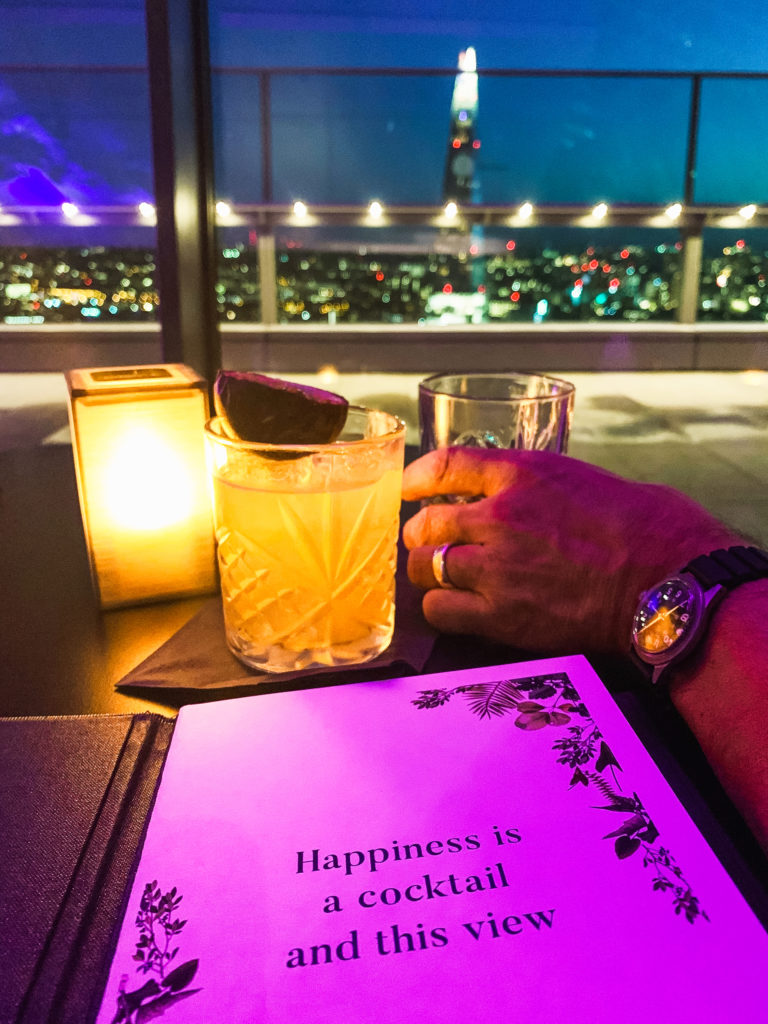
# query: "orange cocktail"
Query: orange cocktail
{"points": [[307, 543]]}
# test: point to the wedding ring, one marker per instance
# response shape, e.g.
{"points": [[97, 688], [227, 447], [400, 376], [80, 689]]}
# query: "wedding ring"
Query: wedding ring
{"points": [[439, 568]]}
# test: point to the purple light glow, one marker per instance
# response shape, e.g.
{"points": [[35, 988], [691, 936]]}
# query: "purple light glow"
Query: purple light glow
{"points": [[33, 188]]}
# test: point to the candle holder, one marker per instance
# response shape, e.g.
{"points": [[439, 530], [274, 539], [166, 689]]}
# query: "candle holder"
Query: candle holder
{"points": [[137, 441]]}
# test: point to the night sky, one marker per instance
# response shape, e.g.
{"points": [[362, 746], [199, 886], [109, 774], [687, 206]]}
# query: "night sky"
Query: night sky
{"points": [[82, 134]]}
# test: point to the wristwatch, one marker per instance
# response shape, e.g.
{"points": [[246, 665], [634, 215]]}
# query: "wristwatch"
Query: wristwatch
{"points": [[672, 617]]}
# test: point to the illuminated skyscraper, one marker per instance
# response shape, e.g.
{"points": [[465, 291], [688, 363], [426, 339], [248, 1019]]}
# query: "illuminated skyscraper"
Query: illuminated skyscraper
{"points": [[460, 180]]}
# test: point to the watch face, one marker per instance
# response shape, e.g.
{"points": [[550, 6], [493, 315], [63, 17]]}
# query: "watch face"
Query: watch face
{"points": [[666, 616]]}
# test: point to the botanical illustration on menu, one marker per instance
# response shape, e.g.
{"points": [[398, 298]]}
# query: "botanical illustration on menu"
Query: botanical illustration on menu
{"points": [[156, 948], [551, 701]]}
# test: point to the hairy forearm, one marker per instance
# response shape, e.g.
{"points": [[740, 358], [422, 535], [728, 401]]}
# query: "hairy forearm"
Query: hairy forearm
{"points": [[722, 693]]}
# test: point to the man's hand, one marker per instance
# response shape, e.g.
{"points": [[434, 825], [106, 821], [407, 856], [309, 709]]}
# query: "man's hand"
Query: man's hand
{"points": [[555, 554]]}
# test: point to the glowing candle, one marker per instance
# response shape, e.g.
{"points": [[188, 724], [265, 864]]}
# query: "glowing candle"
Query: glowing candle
{"points": [[137, 440]]}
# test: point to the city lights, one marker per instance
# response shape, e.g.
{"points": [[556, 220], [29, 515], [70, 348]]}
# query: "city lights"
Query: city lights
{"points": [[626, 279], [499, 280]]}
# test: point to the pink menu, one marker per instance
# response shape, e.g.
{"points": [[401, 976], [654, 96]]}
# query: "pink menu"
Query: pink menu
{"points": [[490, 844]]}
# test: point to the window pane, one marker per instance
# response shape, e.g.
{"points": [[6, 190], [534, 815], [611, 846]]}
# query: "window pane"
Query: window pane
{"points": [[74, 109], [338, 138], [582, 140], [733, 142], [88, 33], [79, 136], [656, 34], [237, 137], [349, 139]]}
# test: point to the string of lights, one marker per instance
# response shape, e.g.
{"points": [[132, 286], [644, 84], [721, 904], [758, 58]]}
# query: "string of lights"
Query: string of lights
{"points": [[376, 212]]}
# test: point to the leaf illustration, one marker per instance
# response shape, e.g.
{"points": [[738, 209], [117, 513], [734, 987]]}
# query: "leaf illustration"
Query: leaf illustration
{"points": [[488, 699], [558, 718], [637, 821], [650, 834], [630, 827], [180, 976], [580, 777], [689, 904], [531, 720], [619, 803], [130, 1000], [625, 847], [605, 758], [543, 691], [149, 1011]]}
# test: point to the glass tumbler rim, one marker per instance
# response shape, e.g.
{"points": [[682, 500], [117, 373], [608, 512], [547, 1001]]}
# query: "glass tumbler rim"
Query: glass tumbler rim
{"points": [[397, 430], [564, 389]]}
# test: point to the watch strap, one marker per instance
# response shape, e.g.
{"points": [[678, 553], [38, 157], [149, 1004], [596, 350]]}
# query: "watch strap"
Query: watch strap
{"points": [[729, 567]]}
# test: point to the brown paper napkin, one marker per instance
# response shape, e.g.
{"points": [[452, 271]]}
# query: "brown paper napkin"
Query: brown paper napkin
{"points": [[197, 658]]}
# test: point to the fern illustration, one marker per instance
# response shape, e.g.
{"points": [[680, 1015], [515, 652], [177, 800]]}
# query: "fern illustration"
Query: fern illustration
{"points": [[603, 786], [489, 699]]}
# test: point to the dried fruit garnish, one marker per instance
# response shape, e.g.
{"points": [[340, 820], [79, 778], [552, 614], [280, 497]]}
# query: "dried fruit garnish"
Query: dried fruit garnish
{"points": [[273, 411]]}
